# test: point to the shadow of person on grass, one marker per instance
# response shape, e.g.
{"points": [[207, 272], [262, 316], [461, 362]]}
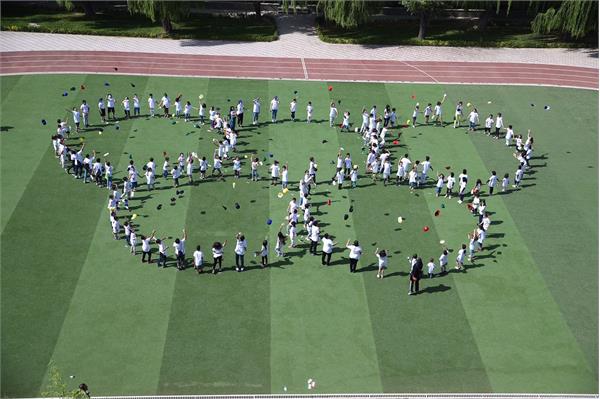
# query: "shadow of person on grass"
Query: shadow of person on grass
{"points": [[434, 289]]}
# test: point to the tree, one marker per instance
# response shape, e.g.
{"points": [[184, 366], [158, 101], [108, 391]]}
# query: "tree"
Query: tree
{"points": [[58, 388], [88, 6], [163, 10], [490, 8], [346, 13], [575, 18], [424, 9]]}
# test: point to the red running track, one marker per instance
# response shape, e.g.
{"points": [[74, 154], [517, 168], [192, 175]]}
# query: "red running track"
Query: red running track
{"points": [[27, 62]]}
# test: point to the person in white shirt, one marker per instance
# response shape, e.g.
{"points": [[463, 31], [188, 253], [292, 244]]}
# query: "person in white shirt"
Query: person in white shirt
{"points": [[373, 112], [333, 113], [116, 227], [489, 122], [165, 103], [126, 107], [85, 112], [110, 106], [427, 113], [492, 182], [509, 135], [426, 166], [438, 118], [365, 121], [463, 179], [217, 252], [430, 268], [443, 261], [178, 107], [198, 259], [328, 245], [393, 118], [386, 171], [274, 109], [458, 114], [275, 173], [187, 110], [460, 258], [473, 119], [240, 250], [151, 104], [146, 247], [499, 125], [284, 177], [176, 173], [412, 179], [162, 252], [505, 182], [309, 112], [346, 122], [264, 254], [355, 253], [255, 110], [76, 118], [293, 107], [239, 113], [149, 178], [179, 246], [132, 241], [382, 262], [450, 185], [102, 109], [136, 105], [415, 114], [314, 237], [202, 113]]}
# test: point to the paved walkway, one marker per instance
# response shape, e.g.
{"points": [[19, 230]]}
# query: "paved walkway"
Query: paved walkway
{"points": [[298, 40]]}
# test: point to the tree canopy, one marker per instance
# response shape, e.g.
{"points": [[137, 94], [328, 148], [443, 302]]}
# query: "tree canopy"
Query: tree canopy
{"points": [[160, 10], [573, 17], [346, 13]]}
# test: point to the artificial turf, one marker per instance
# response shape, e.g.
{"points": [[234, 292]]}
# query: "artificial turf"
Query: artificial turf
{"points": [[522, 318]]}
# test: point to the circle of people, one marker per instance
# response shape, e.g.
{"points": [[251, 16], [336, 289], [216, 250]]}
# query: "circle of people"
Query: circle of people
{"points": [[375, 132]]}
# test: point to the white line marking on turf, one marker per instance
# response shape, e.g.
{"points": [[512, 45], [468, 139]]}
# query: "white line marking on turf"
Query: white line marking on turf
{"points": [[362, 396], [420, 70], [304, 68], [310, 80]]}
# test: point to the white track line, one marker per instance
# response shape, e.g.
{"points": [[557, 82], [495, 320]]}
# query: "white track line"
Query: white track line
{"points": [[420, 70], [304, 68], [363, 396], [301, 79]]}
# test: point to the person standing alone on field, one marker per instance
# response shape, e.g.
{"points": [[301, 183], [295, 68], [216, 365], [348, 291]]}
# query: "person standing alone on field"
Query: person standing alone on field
{"points": [[416, 270]]}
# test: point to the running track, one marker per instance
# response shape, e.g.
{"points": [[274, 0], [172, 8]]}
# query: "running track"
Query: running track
{"points": [[31, 62]]}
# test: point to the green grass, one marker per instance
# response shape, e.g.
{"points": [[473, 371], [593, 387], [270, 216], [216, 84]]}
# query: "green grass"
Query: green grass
{"points": [[454, 33], [513, 322], [119, 23]]}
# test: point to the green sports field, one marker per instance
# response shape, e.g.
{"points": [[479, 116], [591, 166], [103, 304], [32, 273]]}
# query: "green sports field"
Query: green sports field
{"points": [[522, 318]]}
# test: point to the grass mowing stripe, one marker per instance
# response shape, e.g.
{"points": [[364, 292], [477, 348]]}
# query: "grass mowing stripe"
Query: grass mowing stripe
{"points": [[35, 301], [115, 329], [24, 129], [563, 368], [225, 318], [562, 179], [320, 321], [8, 85]]}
